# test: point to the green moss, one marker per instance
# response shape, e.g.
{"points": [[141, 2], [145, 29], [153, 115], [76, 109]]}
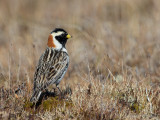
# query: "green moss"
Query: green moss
{"points": [[47, 105], [137, 107], [58, 118], [27, 104], [69, 104], [52, 103]]}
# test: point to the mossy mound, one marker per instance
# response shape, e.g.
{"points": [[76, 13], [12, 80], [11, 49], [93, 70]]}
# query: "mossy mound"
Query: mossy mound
{"points": [[48, 105], [54, 102]]}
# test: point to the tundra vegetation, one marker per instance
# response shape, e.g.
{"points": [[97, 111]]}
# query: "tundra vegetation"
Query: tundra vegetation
{"points": [[114, 70]]}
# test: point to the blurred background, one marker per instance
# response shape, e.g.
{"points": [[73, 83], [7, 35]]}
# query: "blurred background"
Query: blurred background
{"points": [[128, 31]]}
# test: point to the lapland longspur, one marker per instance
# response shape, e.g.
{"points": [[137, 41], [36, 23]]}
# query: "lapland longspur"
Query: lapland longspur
{"points": [[52, 64]]}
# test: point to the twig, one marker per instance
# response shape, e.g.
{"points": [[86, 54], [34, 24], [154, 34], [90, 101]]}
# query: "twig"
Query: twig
{"points": [[149, 101]]}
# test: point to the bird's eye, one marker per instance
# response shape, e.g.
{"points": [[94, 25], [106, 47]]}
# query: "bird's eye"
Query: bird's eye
{"points": [[63, 35]]}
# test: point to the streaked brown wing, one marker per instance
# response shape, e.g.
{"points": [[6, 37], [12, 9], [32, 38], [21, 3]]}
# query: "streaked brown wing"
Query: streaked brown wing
{"points": [[58, 67], [50, 67], [42, 68]]}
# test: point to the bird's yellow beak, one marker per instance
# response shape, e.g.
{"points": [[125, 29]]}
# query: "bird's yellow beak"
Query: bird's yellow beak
{"points": [[68, 36]]}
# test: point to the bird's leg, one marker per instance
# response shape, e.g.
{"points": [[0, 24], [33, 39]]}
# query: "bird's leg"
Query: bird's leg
{"points": [[58, 89]]}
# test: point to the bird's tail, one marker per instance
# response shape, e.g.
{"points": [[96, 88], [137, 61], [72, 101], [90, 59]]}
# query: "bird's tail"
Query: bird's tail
{"points": [[35, 96]]}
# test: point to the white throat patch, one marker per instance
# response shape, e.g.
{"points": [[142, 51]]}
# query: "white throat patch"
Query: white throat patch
{"points": [[56, 42]]}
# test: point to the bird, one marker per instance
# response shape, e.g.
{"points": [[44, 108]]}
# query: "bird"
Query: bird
{"points": [[52, 64]]}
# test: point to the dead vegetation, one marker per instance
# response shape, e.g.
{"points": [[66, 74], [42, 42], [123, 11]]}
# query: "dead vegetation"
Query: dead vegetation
{"points": [[114, 70]]}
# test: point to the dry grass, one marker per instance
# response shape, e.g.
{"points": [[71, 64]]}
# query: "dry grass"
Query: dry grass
{"points": [[114, 70]]}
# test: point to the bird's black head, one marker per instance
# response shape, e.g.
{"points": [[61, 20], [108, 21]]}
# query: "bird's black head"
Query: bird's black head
{"points": [[60, 35]]}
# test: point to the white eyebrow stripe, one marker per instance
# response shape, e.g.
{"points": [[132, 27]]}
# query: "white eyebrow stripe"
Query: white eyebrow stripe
{"points": [[57, 34]]}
